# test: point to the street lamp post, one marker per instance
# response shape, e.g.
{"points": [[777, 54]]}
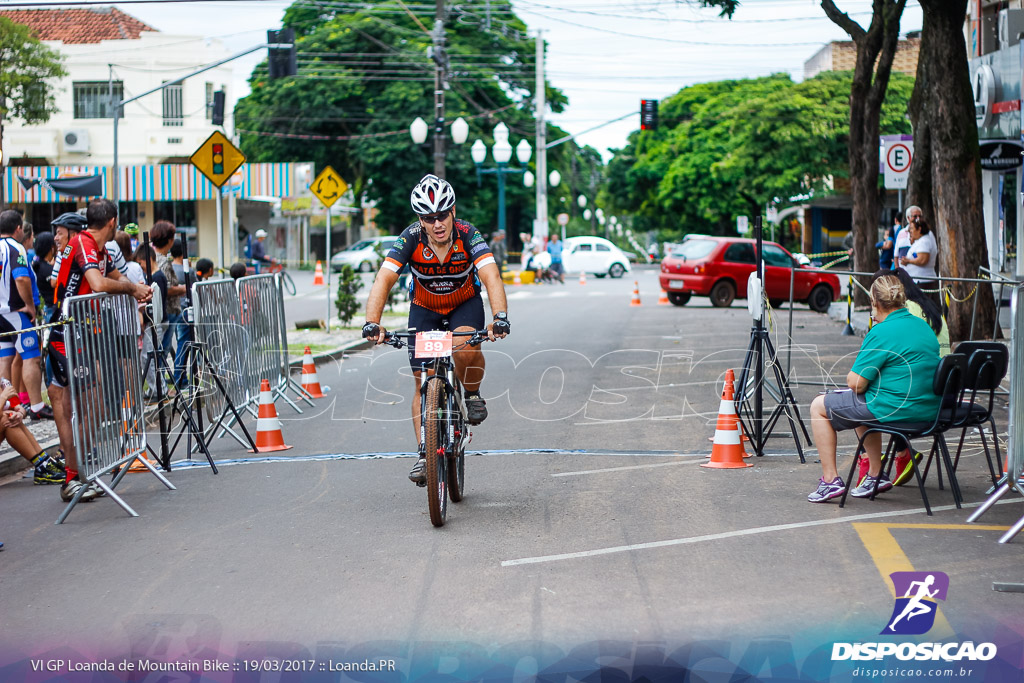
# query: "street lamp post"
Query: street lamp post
{"points": [[418, 130], [502, 153]]}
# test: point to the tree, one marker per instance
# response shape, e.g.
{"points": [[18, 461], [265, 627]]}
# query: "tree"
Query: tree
{"points": [[726, 148], [945, 176], [876, 48], [27, 68], [364, 75]]}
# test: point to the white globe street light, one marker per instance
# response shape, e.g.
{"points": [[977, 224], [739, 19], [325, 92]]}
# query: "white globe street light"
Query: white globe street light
{"points": [[460, 130], [524, 151], [418, 130], [555, 177], [478, 151], [587, 214], [600, 215], [528, 179], [582, 201]]}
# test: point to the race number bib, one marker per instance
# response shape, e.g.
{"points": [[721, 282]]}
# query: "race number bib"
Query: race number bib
{"points": [[435, 344]]}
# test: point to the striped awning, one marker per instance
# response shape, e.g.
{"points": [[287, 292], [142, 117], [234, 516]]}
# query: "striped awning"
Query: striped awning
{"points": [[163, 182]]}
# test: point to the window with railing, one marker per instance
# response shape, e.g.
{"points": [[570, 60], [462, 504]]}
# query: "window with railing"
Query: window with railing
{"points": [[173, 112], [92, 100]]}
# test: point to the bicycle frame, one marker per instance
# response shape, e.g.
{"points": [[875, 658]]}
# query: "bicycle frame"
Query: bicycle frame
{"points": [[454, 396]]}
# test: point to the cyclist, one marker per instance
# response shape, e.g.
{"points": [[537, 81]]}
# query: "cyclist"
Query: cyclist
{"points": [[449, 260], [259, 252]]}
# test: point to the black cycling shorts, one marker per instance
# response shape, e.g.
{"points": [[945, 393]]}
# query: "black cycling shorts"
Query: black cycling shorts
{"points": [[60, 368], [469, 313]]}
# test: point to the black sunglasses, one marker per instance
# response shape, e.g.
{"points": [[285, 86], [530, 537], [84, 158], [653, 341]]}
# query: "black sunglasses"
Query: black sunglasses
{"points": [[430, 220]]}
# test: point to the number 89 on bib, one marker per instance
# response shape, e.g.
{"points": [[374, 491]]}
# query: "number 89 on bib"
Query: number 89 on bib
{"points": [[434, 344]]}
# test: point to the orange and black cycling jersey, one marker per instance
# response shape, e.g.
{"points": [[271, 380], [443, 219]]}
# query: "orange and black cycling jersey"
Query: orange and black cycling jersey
{"points": [[441, 286]]}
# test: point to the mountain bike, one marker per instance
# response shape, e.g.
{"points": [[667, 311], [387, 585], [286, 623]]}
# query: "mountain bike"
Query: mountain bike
{"points": [[443, 426], [286, 280]]}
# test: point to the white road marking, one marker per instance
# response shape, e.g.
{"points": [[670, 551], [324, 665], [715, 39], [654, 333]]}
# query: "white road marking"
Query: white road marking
{"points": [[693, 458], [735, 534]]}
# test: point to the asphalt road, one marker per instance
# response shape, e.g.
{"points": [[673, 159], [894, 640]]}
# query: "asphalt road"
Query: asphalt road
{"points": [[587, 517]]}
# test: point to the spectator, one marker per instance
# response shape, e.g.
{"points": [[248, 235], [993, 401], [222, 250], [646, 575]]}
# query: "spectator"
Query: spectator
{"points": [[46, 252], [132, 229], [204, 269], [891, 380], [17, 313], [237, 270], [555, 250], [17, 370], [500, 249], [134, 270], [886, 247], [259, 254], [922, 257], [145, 256], [47, 469], [162, 239], [902, 244]]}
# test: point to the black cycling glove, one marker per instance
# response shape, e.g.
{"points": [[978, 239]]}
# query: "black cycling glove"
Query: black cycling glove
{"points": [[370, 330], [502, 327]]}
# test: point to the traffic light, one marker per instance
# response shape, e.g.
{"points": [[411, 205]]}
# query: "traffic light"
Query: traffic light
{"points": [[218, 158], [648, 114], [217, 116], [282, 61]]}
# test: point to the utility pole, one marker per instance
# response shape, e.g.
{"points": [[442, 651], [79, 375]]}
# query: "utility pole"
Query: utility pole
{"points": [[540, 226], [440, 57]]}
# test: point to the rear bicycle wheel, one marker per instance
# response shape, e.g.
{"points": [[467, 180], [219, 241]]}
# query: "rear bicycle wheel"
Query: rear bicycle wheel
{"points": [[457, 456], [287, 283], [434, 443]]}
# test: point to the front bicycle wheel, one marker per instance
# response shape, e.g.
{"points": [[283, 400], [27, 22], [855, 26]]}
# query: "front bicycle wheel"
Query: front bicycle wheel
{"points": [[287, 283], [437, 463], [457, 454]]}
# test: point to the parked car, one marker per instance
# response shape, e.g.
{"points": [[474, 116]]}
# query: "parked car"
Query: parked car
{"points": [[718, 267], [594, 255], [363, 255]]}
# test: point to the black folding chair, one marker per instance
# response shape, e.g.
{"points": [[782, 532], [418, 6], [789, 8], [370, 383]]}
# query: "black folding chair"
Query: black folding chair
{"points": [[987, 363], [947, 384]]}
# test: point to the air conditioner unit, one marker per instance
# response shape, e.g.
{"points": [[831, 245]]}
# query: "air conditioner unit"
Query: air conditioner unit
{"points": [[76, 141], [1011, 26]]}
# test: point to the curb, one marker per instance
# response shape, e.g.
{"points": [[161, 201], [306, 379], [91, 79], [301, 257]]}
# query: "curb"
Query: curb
{"points": [[13, 463]]}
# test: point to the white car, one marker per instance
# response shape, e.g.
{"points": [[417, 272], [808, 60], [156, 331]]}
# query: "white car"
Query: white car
{"points": [[594, 255], [363, 256]]}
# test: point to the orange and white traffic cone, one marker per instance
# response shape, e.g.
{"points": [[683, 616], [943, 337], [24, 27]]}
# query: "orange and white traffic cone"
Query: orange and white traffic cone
{"points": [[268, 427], [583, 277], [636, 294], [318, 274], [310, 382], [727, 450], [517, 280], [663, 299]]}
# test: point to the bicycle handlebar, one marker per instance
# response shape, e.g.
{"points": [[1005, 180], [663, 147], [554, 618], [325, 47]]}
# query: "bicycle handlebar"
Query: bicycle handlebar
{"points": [[477, 337]]}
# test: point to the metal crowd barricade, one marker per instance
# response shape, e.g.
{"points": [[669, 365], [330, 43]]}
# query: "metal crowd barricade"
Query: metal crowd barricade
{"points": [[1015, 446], [286, 367], [262, 309], [105, 377], [223, 344]]}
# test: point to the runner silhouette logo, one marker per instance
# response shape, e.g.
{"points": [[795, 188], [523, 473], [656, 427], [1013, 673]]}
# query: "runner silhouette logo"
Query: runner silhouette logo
{"points": [[917, 596]]}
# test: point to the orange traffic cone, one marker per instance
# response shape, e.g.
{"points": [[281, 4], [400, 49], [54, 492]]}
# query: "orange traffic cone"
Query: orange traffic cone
{"points": [[310, 382], [583, 278], [137, 466], [727, 450], [636, 294], [517, 280], [663, 299], [268, 427], [318, 274]]}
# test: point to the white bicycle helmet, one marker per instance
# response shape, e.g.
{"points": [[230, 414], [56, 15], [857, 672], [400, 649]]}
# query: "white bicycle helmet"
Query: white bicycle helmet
{"points": [[431, 195]]}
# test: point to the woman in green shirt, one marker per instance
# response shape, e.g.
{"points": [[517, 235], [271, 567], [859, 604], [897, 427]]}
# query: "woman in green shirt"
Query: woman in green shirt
{"points": [[891, 380]]}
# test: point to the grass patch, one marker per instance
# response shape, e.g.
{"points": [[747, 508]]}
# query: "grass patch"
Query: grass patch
{"points": [[315, 348]]}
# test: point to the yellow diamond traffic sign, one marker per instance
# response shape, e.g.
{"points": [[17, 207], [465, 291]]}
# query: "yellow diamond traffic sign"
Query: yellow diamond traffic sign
{"points": [[328, 186], [217, 158]]}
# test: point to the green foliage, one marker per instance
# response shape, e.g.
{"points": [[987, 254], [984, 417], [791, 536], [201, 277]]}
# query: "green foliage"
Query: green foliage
{"points": [[29, 67], [726, 148], [382, 89], [349, 284]]}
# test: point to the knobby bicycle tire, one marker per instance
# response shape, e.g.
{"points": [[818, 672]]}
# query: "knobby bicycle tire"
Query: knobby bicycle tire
{"points": [[436, 433], [457, 457]]}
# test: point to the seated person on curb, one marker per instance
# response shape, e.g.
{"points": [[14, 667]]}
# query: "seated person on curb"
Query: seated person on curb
{"points": [[890, 381], [48, 469], [449, 260]]}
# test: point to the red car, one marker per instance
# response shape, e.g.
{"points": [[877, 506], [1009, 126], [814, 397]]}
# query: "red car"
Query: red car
{"points": [[718, 267]]}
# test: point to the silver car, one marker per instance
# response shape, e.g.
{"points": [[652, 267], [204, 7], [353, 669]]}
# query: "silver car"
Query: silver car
{"points": [[364, 256]]}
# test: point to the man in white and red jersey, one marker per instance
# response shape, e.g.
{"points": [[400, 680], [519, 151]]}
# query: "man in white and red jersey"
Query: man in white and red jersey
{"points": [[85, 268], [448, 259]]}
